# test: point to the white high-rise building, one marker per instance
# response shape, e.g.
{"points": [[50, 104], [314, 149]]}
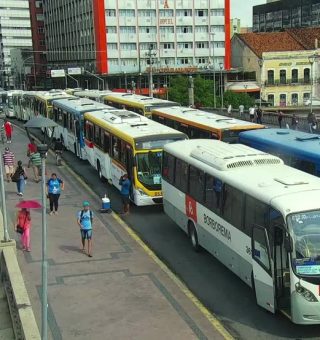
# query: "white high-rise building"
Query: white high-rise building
{"points": [[15, 33], [118, 36]]}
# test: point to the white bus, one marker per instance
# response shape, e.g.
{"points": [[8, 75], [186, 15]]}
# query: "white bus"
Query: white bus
{"points": [[96, 95], [68, 114], [257, 216], [119, 142], [9, 109]]}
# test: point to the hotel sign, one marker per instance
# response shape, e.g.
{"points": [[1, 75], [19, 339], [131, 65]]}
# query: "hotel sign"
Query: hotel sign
{"points": [[173, 69]]}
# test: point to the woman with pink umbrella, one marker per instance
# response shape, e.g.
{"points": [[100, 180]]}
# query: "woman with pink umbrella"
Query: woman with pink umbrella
{"points": [[23, 222]]}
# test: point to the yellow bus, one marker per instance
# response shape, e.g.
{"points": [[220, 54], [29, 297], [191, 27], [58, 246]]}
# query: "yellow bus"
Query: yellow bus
{"points": [[119, 142], [43, 101], [136, 103], [201, 124]]}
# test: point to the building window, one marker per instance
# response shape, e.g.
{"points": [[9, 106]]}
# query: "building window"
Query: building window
{"points": [[184, 61], [217, 12], [306, 96], [111, 29], [110, 12], [283, 99], [129, 13], [283, 76], [42, 43], [294, 99], [39, 4], [270, 77], [201, 13], [40, 17], [271, 99], [40, 30], [306, 75], [294, 76]]}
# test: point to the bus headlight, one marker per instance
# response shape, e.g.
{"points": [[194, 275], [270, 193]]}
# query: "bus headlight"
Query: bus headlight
{"points": [[309, 296], [142, 193]]}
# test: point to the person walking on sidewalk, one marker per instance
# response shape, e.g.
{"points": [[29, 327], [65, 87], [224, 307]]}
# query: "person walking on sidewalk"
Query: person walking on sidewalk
{"points": [[32, 148], [24, 221], [8, 129], [8, 161], [54, 187], [35, 160], [85, 220], [125, 193], [20, 177]]}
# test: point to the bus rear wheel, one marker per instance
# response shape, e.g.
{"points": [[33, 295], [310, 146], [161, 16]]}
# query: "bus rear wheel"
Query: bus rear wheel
{"points": [[193, 236]]}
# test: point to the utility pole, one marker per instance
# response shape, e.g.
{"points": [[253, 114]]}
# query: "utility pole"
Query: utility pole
{"points": [[151, 56], [191, 92]]}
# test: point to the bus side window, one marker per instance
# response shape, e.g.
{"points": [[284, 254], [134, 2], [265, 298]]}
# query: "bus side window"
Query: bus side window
{"points": [[97, 135], [196, 184], [116, 148], [168, 122], [65, 119], [303, 165], [168, 168], [181, 175], [232, 206], [256, 213], [88, 131], [106, 143], [213, 187]]}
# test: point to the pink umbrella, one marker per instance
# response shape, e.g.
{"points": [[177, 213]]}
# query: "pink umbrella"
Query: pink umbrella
{"points": [[31, 204]]}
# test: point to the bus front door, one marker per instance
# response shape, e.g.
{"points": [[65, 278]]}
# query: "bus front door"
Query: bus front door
{"points": [[262, 269]]}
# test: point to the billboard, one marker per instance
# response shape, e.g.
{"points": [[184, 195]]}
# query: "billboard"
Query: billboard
{"points": [[74, 70], [58, 73]]}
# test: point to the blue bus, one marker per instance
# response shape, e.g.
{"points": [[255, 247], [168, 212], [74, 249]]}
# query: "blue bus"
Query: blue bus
{"points": [[68, 114], [298, 149]]}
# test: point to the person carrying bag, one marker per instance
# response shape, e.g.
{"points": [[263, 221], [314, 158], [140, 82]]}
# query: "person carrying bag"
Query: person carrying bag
{"points": [[23, 226]]}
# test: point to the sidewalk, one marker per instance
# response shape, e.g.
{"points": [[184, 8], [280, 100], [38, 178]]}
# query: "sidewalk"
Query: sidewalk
{"points": [[120, 293]]}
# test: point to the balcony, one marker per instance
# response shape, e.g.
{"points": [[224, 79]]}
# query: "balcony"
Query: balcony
{"points": [[184, 37], [184, 21], [201, 21], [287, 82]]}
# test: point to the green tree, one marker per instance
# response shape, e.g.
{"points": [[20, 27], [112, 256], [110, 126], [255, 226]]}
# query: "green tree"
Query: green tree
{"points": [[203, 91], [236, 99], [178, 90]]}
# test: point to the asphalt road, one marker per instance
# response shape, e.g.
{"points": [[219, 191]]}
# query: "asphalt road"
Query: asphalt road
{"points": [[218, 289]]}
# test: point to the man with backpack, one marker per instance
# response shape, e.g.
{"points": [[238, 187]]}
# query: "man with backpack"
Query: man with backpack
{"points": [[85, 219]]}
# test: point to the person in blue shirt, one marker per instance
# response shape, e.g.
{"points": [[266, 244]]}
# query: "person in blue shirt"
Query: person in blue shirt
{"points": [[54, 187], [85, 219], [125, 193]]}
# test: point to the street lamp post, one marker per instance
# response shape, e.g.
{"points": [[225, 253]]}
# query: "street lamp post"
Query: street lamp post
{"points": [[312, 59], [260, 62], [211, 41], [6, 237], [221, 85], [48, 125], [150, 55]]}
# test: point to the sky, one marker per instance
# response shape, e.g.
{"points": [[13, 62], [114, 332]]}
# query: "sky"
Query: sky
{"points": [[242, 9]]}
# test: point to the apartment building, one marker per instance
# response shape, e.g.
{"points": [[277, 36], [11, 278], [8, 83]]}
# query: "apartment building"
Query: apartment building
{"points": [[123, 37], [37, 77], [15, 33], [285, 63], [282, 14]]}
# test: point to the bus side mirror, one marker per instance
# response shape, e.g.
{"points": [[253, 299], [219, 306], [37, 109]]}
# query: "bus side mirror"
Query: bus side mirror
{"points": [[288, 244]]}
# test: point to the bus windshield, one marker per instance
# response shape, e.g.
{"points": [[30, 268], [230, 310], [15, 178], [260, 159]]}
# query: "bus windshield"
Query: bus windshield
{"points": [[306, 242], [149, 169]]}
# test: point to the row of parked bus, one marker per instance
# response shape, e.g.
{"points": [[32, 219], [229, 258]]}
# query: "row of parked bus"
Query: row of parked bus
{"points": [[258, 216]]}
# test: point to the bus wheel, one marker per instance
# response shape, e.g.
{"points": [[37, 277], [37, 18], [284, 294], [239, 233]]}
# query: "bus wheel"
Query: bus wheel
{"points": [[99, 171], [193, 236]]}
